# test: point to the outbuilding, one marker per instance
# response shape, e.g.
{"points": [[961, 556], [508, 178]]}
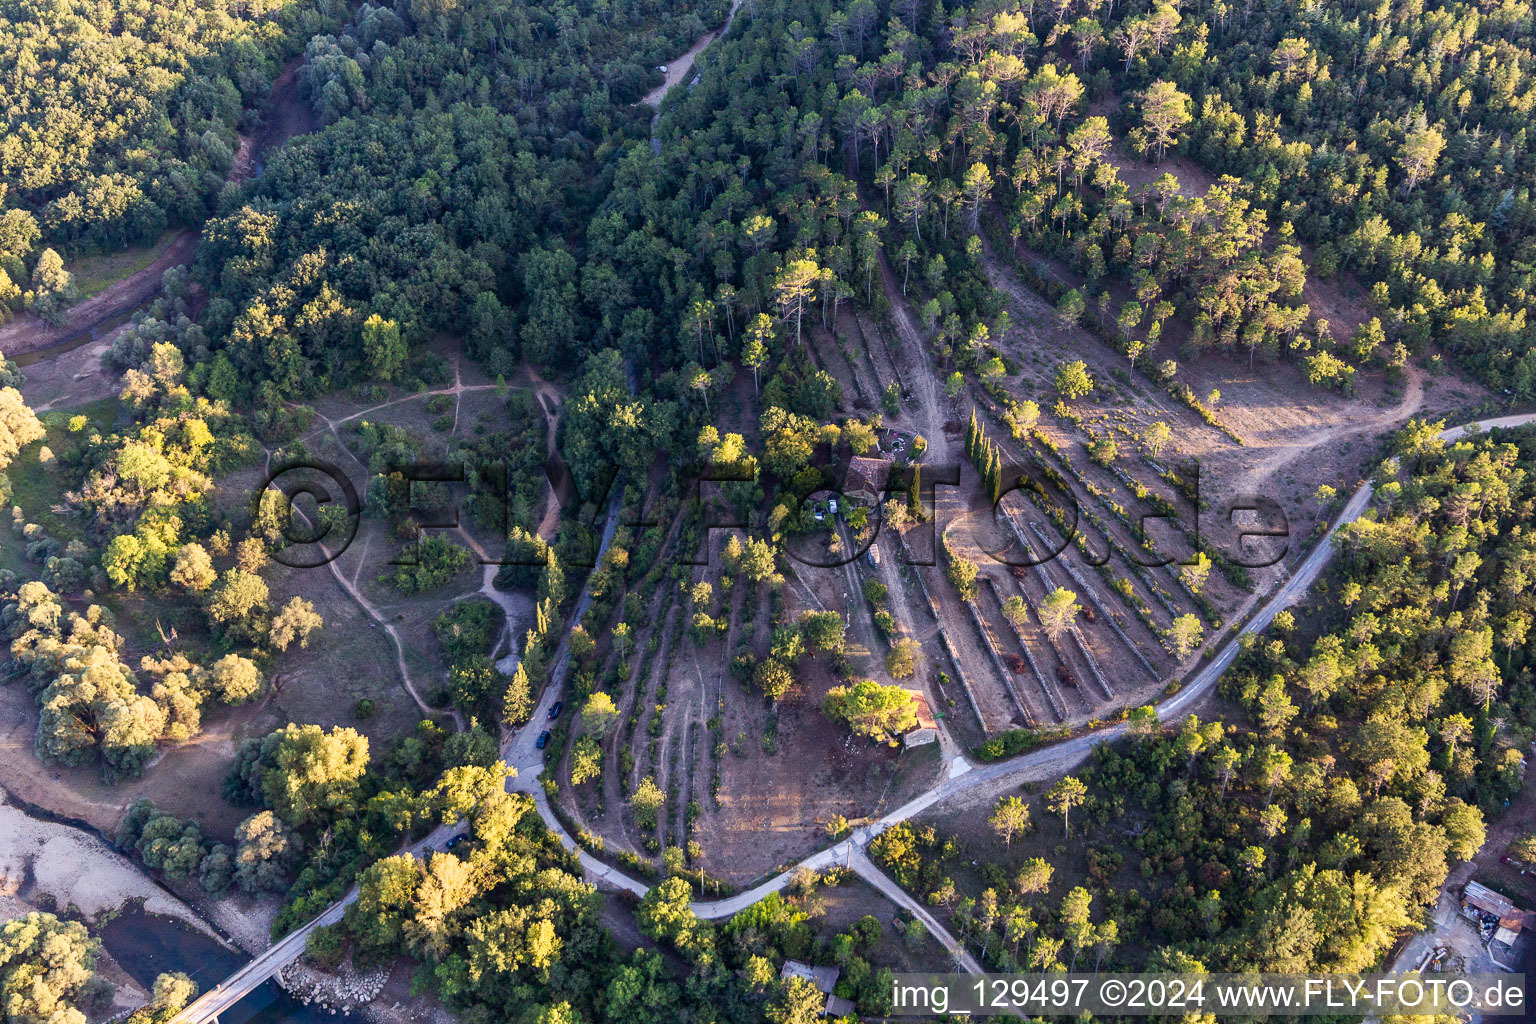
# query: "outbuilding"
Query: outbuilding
{"points": [[865, 480], [825, 980], [927, 729]]}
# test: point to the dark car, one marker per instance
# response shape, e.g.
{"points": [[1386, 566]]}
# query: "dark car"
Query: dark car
{"points": [[543, 740], [456, 840], [554, 712]]}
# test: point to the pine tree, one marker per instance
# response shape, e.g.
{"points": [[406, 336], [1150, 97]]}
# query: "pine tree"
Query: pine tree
{"points": [[518, 703]]}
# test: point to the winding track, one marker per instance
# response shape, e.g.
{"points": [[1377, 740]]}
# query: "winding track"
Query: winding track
{"points": [[520, 752]]}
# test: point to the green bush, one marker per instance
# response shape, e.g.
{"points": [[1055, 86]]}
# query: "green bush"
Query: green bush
{"points": [[436, 562]]}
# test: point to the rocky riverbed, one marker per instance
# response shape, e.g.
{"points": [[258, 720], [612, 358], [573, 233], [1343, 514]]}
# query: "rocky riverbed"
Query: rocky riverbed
{"points": [[343, 991]]}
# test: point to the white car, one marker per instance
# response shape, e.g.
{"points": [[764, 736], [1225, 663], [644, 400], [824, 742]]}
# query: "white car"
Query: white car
{"points": [[832, 506], [662, 68]]}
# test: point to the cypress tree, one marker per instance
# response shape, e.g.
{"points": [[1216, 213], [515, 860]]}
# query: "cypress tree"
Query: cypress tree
{"points": [[915, 492], [518, 702]]}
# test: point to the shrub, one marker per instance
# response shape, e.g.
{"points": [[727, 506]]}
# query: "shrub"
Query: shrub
{"points": [[437, 561]]}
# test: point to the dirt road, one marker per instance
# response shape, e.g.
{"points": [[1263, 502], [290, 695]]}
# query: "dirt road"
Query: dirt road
{"points": [[680, 68], [29, 334], [284, 116]]}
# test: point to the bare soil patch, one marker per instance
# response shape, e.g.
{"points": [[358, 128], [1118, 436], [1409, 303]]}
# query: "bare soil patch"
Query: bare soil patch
{"points": [[184, 780], [1193, 179], [349, 660], [839, 907], [908, 351], [774, 807], [916, 621], [837, 354], [72, 378], [1295, 436]]}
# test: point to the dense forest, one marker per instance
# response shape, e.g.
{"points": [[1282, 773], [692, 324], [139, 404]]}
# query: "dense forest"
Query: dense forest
{"points": [[489, 160], [470, 150], [120, 121]]}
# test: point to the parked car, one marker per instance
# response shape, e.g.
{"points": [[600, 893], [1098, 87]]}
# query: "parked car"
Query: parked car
{"points": [[543, 740], [456, 840], [554, 712], [832, 506]]}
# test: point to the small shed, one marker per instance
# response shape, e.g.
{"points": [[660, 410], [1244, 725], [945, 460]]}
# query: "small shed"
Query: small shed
{"points": [[837, 1006], [1509, 928], [927, 729], [824, 978], [1496, 912]]}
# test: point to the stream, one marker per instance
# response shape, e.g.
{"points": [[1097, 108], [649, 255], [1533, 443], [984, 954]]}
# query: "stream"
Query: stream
{"points": [[98, 330], [146, 945]]}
